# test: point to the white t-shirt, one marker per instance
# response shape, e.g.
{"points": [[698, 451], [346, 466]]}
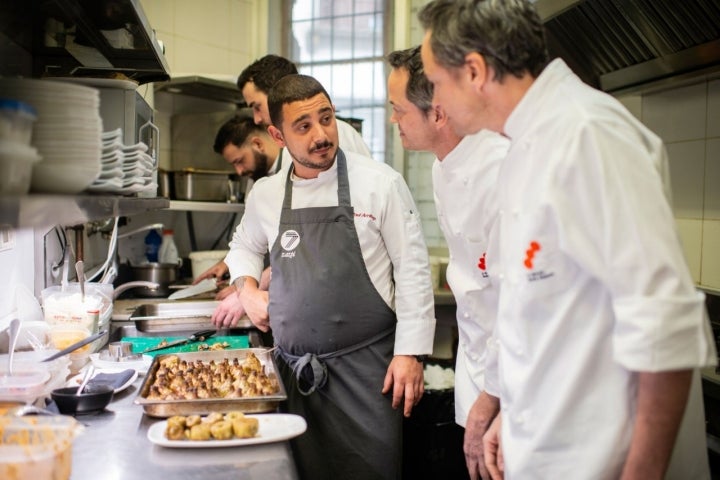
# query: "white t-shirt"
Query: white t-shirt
{"points": [[593, 282], [464, 185]]}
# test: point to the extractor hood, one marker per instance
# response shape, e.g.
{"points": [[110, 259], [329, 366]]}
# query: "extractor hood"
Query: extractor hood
{"points": [[618, 45], [203, 87]]}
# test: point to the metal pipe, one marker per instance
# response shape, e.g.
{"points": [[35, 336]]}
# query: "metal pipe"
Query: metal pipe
{"points": [[153, 226]]}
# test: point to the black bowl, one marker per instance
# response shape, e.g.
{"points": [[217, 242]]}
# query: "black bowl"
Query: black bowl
{"points": [[92, 399]]}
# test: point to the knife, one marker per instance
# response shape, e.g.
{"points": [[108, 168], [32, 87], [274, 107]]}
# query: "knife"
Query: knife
{"points": [[75, 346], [195, 337], [206, 285]]}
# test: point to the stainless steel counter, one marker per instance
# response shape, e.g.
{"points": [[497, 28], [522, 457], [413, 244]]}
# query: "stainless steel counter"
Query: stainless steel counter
{"points": [[114, 446]]}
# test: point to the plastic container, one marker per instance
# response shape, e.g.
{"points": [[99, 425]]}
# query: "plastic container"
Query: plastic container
{"points": [[201, 261], [37, 446], [152, 246], [66, 308], [16, 166], [168, 250], [16, 121]]}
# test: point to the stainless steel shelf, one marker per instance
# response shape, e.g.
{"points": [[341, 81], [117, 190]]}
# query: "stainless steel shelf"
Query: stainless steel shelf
{"points": [[206, 206], [46, 211]]}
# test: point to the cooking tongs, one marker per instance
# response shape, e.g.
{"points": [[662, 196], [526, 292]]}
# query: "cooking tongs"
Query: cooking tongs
{"points": [[195, 337]]}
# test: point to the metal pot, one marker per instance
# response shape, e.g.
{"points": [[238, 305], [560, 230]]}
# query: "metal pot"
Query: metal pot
{"points": [[164, 274]]}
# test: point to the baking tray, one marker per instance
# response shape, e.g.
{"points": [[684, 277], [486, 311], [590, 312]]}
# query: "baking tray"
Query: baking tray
{"points": [[168, 408]]}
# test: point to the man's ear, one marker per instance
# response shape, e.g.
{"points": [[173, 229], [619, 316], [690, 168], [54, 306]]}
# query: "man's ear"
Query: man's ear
{"points": [[257, 144], [439, 116], [476, 69], [276, 135]]}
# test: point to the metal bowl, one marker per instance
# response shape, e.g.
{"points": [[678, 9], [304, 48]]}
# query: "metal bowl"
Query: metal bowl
{"points": [[92, 399]]}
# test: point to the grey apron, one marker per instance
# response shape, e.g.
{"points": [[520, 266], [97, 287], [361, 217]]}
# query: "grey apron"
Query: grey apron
{"points": [[335, 336]]}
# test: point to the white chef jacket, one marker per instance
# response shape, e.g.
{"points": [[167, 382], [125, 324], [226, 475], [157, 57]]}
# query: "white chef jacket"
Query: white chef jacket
{"points": [[388, 228], [465, 199], [593, 284], [349, 140]]}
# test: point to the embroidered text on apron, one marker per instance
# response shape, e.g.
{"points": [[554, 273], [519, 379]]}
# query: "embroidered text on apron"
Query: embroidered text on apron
{"points": [[331, 324]]}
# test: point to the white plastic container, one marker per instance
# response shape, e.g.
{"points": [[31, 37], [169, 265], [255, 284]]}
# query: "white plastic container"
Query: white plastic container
{"points": [[16, 166], [205, 259], [16, 121], [168, 252]]}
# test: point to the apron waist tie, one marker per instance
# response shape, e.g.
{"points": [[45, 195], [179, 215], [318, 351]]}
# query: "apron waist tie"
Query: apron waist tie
{"points": [[313, 363]]}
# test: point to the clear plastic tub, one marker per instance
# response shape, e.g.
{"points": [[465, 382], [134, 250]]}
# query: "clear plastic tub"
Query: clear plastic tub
{"points": [[16, 165], [37, 446], [16, 121]]}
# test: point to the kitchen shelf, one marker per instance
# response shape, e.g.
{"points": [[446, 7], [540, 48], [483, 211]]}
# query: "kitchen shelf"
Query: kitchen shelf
{"points": [[193, 206], [45, 210]]}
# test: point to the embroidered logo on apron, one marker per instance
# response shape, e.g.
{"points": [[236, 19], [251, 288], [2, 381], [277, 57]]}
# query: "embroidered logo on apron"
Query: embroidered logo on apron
{"points": [[289, 240]]}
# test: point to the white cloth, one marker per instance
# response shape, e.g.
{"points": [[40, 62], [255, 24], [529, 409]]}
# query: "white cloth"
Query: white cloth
{"points": [[465, 199], [388, 227], [593, 283], [349, 140]]}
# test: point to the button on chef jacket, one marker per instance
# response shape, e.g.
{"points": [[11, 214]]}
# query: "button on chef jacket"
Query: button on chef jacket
{"points": [[593, 285], [465, 199], [388, 228]]}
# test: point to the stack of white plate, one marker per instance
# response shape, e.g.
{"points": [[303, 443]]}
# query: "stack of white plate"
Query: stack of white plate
{"points": [[125, 169], [66, 133]]}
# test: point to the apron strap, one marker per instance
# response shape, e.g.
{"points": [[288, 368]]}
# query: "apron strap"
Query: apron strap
{"points": [[316, 374]]}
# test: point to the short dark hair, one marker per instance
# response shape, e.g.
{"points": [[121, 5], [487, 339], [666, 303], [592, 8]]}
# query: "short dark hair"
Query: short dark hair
{"points": [[235, 131], [266, 71], [419, 90], [507, 33], [292, 88]]}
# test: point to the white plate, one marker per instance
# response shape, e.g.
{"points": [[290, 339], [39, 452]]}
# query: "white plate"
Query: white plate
{"points": [[141, 365], [272, 427], [77, 379]]}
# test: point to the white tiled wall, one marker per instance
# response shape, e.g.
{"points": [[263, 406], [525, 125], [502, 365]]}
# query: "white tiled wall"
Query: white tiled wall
{"points": [[687, 118]]}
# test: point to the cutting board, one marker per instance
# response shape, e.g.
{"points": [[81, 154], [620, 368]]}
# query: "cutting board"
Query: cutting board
{"points": [[140, 344]]}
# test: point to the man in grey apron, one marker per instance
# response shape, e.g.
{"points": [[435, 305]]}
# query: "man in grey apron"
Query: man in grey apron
{"points": [[340, 344]]}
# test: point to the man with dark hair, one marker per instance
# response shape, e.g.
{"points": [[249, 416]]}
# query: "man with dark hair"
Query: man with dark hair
{"points": [[464, 176], [350, 302], [258, 78], [252, 153], [247, 147], [600, 331]]}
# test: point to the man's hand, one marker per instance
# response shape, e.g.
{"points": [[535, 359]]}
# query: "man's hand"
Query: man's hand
{"points": [[479, 419], [493, 450], [256, 303], [226, 292], [227, 314], [405, 376], [217, 272]]}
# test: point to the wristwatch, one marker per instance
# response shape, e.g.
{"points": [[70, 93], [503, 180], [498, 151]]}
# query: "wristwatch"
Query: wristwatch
{"points": [[421, 358]]}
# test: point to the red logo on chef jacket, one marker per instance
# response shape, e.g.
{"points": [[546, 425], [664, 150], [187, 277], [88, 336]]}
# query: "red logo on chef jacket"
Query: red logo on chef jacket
{"points": [[481, 265], [530, 254], [289, 240], [535, 275]]}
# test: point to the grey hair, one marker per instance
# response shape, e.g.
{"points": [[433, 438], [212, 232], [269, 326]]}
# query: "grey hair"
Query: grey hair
{"points": [[419, 90], [507, 33]]}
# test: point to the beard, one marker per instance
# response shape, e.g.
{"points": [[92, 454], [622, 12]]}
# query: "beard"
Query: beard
{"points": [[324, 163], [261, 166]]}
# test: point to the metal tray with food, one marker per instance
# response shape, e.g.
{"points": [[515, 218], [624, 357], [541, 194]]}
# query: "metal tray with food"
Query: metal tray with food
{"points": [[198, 383]]}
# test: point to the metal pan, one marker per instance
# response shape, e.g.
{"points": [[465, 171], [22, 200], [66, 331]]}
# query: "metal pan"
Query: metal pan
{"points": [[168, 408]]}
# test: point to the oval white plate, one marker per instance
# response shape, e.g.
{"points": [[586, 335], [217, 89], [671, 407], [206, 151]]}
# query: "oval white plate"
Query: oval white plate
{"points": [[272, 427], [77, 379]]}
